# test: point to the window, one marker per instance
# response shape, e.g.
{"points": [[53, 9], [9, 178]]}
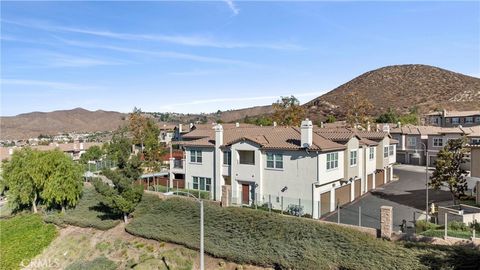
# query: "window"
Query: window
{"points": [[438, 142], [227, 158], [412, 141], [202, 183], [469, 120], [455, 120], [274, 161], [332, 161], [247, 157], [477, 119], [372, 153], [353, 158], [475, 141], [385, 151], [390, 150], [196, 156]]}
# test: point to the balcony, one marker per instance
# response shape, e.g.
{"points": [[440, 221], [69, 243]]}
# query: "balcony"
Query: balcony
{"points": [[178, 166]]}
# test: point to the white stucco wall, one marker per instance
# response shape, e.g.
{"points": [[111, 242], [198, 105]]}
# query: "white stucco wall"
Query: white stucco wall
{"points": [[204, 169]]}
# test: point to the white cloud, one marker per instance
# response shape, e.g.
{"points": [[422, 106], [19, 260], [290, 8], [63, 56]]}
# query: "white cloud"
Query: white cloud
{"points": [[49, 84], [232, 7], [185, 40]]}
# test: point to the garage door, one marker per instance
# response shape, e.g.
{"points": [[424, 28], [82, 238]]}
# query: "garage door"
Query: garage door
{"points": [[324, 203], [401, 158], [369, 182], [358, 188], [342, 195], [379, 179], [414, 161]]}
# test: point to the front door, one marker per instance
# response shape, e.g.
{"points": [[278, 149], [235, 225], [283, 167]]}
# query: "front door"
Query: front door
{"points": [[245, 194]]}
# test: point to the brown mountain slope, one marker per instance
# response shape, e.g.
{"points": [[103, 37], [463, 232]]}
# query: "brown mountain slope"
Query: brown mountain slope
{"points": [[240, 114], [401, 87], [77, 120]]}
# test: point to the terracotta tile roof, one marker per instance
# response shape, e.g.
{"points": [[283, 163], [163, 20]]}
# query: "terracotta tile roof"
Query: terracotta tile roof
{"points": [[429, 130]]}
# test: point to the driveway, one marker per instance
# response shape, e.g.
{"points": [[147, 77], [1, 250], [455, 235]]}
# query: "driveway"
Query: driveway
{"points": [[406, 196]]}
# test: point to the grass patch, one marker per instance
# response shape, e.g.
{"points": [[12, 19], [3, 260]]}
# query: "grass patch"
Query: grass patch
{"points": [[247, 236], [22, 238], [88, 213], [440, 233], [99, 263]]}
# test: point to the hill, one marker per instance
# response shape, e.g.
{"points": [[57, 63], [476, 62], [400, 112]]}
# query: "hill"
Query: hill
{"points": [[402, 87], [50, 123]]}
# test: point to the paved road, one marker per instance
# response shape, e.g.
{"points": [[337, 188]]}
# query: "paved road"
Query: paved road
{"points": [[406, 196]]}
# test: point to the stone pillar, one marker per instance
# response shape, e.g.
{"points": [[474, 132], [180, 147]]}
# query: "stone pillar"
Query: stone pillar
{"points": [[386, 221], [171, 176], [478, 192], [226, 195]]}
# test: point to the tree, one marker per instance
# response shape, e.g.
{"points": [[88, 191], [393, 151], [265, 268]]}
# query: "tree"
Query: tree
{"points": [[153, 150], [448, 171], [389, 117], [24, 175], [93, 153], [123, 197], [119, 148], [331, 119], [288, 112], [358, 110], [63, 183], [137, 124]]}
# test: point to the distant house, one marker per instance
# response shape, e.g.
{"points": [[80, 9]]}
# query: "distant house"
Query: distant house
{"points": [[453, 118], [167, 133], [74, 150]]}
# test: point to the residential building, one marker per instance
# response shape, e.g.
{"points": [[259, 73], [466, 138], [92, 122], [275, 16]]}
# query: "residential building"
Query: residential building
{"points": [[74, 150], [317, 169], [167, 133], [446, 118]]}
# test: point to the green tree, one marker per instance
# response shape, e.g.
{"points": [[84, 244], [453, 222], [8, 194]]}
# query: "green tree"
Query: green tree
{"points": [[288, 111], [93, 153], [123, 197], [331, 119], [24, 176], [153, 150], [389, 117], [119, 148], [63, 184], [448, 171]]}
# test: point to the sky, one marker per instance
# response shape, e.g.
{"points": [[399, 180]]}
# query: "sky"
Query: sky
{"points": [[193, 57]]}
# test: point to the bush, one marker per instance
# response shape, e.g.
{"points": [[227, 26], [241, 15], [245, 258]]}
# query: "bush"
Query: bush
{"points": [[23, 237], [246, 236], [99, 263], [89, 212], [422, 225], [457, 226]]}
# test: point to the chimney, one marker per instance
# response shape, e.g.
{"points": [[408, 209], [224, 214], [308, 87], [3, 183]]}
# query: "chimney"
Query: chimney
{"points": [[237, 124], [218, 135], [81, 146], [444, 113], [10, 151], [191, 125], [180, 128], [321, 125], [399, 124], [306, 132], [368, 126], [274, 123]]}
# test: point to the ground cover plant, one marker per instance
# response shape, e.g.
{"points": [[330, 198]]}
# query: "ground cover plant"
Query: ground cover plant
{"points": [[23, 237], [181, 191], [88, 213], [455, 229], [257, 237]]}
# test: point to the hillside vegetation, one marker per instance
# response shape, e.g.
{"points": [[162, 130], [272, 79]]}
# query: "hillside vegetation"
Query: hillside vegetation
{"points": [[256, 237]]}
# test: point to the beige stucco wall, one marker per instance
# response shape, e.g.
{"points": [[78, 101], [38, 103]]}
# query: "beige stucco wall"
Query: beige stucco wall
{"points": [[475, 162]]}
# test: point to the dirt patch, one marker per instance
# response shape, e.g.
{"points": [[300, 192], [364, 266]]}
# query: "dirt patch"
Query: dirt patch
{"points": [[126, 250]]}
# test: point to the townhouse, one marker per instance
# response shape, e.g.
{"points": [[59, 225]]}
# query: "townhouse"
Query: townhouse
{"points": [[315, 168], [446, 118], [419, 139], [74, 150]]}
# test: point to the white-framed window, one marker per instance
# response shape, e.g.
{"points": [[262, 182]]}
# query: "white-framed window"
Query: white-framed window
{"points": [[353, 157], [438, 142], [332, 161], [196, 156], [371, 154], [412, 141], [469, 119], [391, 150], [385, 151], [202, 183], [246, 157], [274, 161], [455, 120], [227, 158], [477, 119]]}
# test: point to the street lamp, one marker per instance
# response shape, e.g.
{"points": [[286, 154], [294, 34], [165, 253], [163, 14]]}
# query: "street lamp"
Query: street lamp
{"points": [[417, 155], [202, 260]]}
